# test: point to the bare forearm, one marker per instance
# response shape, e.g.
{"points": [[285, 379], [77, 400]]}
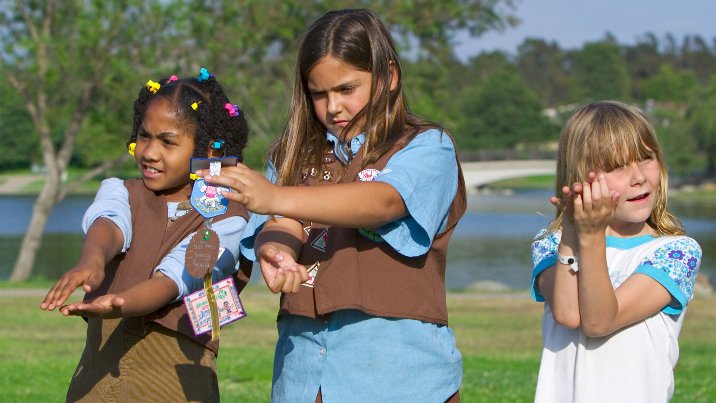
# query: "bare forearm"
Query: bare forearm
{"points": [[345, 205], [597, 301], [559, 286], [148, 296], [282, 233], [102, 243]]}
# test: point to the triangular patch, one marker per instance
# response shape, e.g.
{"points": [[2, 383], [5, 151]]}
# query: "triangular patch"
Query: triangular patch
{"points": [[321, 240]]}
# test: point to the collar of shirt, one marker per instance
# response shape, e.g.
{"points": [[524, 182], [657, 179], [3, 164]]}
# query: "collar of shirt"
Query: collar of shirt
{"points": [[340, 147]]}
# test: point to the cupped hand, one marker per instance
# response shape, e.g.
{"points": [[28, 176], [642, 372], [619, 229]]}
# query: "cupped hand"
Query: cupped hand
{"points": [[106, 307], [595, 207], [280, 270], [250, 187], [86, 276]]}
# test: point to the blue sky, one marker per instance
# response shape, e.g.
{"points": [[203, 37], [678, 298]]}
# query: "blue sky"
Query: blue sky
{"points": [[573, 22]]}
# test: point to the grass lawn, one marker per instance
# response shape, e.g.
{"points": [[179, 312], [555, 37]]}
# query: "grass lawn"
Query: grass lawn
{"points": [[498, 336]]}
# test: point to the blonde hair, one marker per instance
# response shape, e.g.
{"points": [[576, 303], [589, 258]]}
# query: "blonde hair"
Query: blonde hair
{"points": [[606, 135]]}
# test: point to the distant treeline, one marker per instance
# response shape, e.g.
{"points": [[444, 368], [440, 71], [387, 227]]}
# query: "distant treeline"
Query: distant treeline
{"points": [[501, 105]]}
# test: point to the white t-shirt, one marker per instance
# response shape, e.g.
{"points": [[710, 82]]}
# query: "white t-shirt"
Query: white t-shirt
{"points": [[634, 364]]}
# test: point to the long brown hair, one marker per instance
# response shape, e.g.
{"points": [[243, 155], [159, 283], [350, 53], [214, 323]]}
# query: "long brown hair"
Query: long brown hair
{"points": [[603, 136], [359, 39]]}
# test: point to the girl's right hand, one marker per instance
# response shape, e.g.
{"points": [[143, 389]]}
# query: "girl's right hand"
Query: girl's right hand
{"points": [[280, 270], [86, 276], [106, 307], [250, 187], [594, 208]]}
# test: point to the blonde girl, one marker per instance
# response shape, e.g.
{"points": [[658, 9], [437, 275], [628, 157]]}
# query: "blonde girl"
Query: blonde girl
{"points": [[614, 267]]}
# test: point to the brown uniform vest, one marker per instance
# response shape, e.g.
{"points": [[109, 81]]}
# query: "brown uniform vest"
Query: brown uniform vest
{"points": [[152, 239], [356, 272]]}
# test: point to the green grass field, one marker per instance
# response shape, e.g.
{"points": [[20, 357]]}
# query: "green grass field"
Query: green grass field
{"points": [[499, 337]]}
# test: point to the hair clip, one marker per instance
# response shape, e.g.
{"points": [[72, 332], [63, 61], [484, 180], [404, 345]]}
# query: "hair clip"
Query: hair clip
{"points": [[232, 109], [172, 78], [193, 176], [218, 144], [153, 87], [203, 74], [195, 105], [130, 148]]}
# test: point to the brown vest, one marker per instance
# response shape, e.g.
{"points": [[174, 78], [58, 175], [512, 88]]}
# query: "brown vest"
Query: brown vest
{"points": [[356, 272], [152, 239]]}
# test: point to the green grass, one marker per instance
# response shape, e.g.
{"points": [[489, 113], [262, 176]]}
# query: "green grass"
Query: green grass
{"points": [[527, 182], [498, 336]]}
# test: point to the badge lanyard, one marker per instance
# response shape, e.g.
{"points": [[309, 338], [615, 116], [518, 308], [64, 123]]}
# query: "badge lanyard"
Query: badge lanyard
{"points": [[204, 250]]}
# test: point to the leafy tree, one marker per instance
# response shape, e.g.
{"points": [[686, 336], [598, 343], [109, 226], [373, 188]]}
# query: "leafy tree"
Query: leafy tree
{"points": [[503, 113], [18, 147], [63, 61], [543, 66], [601, 71], [669, 85], [69, 63], [701, 120]]}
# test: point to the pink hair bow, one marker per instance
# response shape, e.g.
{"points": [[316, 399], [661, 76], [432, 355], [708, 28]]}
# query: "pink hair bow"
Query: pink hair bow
{"points": [[232, 109]]}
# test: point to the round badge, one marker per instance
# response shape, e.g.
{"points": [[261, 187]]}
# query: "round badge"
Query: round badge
{"points": [[202, 252]]}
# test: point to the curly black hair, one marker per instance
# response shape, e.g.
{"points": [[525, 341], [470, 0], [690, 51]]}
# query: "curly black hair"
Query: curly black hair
{"points": [[211, 121]]}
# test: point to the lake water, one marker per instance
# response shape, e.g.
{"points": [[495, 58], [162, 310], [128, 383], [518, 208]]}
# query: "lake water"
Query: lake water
{"points": [[490, 244]]}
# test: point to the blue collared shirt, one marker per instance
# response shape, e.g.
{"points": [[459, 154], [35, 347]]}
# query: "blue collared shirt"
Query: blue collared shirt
{"points": [[355, 357]]}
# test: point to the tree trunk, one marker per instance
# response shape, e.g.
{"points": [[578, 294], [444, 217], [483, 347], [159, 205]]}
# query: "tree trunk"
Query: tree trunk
{"points": [[44, 204]]}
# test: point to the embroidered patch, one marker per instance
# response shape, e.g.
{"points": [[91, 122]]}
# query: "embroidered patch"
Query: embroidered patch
{"points": [[368, 174], [321, 241], [227, 299], [370, 234], [312, 272], [207, 199]]}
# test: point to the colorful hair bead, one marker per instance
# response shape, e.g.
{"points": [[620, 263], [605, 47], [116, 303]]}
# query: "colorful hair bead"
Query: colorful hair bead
{"points": [[232, 109], [153, 86], [193, 176], [203, 74], [195, 105], [172, 78], [218, 144], [131, 147]]}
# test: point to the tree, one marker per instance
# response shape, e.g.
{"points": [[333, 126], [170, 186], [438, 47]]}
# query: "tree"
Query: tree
{"points": [[543, 66], [669, 85], [601, 71], [57, 57], [503, 113], [74, 65], [702, 122]]}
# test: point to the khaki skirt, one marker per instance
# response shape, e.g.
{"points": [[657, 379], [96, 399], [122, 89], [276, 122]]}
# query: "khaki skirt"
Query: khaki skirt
{"points": [[161, 366]]}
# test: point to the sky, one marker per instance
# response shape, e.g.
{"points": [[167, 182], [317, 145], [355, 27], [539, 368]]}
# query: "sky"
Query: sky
{"points": [[571, 23]]}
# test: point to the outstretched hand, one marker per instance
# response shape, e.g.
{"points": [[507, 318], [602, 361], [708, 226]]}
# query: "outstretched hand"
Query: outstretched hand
{"points": [[89, 278], [106, 307], [250, 187], [280, 270], [594, 208]]}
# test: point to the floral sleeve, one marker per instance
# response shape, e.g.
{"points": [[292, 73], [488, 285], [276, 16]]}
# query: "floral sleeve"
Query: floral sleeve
{"points": [[544, 256], [675, 266]]}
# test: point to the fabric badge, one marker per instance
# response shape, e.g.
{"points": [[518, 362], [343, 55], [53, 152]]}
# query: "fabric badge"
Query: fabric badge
{"points": [[312, 272], [370, 234], [202, 252], [227, 299], [368, 175], [207, 199], [321, 241]]}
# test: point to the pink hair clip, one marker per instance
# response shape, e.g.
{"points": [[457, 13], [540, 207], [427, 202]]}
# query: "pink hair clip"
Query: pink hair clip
{"points": [[232, 109], [172, 78]]}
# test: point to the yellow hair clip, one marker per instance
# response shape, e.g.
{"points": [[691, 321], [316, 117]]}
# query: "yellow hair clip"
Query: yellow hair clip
{"points": [[131, 147], [193, 176], [195, 105], [153, 87]]}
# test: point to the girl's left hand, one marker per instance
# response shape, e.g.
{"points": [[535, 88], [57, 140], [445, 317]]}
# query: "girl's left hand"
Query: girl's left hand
{"points": [[250, 187], [106, 307], [594, 207]]}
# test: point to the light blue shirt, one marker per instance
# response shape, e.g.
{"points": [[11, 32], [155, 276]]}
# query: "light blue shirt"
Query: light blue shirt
{"points": [[112, 202], [355, 357], [424, 173]]}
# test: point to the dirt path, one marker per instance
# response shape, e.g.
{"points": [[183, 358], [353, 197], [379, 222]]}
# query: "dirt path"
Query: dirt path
{"points": [[13, 184]]}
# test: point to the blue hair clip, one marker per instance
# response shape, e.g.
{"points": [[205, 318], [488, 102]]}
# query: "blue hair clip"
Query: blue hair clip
{"points": [[218, 144], [203, 74]]}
